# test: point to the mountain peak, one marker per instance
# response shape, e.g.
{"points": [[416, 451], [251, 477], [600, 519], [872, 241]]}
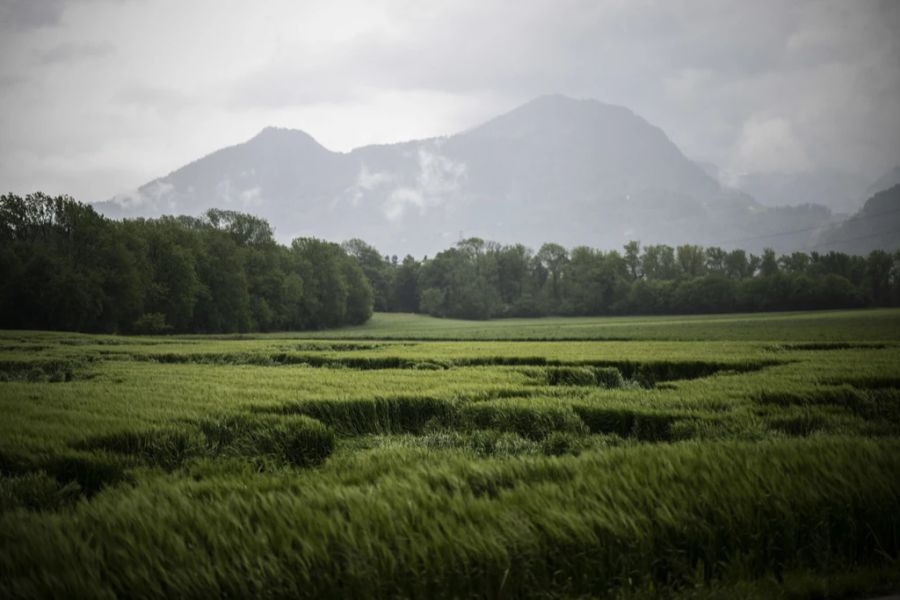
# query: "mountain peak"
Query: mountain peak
{"points": [[271, 130], [609, 174], [563, 101], [284, 136], [549, 99], [557, 114], [559, 104]]}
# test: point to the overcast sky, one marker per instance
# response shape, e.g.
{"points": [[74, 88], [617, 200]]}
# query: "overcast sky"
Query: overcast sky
{"points": [[100, 96]]}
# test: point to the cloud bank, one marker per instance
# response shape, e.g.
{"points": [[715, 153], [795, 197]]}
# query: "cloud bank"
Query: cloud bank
{"points": [[99, 96]]}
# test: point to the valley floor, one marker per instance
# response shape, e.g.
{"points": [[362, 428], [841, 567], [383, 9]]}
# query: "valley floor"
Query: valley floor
{"points": [[696, 457]]}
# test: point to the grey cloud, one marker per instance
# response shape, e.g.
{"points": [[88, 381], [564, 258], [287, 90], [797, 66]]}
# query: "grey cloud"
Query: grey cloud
{"points": [[438, 178], [724, 79], [289, 83], [8, 82], [151, 97], [17, 15], [75, 51], [706, 71], [542, 47]]}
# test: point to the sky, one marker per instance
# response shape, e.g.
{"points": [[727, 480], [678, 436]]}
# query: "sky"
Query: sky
{"points": [[100, 96]]}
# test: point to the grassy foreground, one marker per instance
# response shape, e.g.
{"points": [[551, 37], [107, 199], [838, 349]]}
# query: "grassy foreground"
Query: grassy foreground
{"points": [[719, 456]]}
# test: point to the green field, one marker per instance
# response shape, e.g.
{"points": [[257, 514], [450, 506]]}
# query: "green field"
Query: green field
{"points": [[634, 457], [836, 325]]}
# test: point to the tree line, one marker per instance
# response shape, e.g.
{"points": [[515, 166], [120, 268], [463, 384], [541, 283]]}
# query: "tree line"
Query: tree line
{"points": [[479, 279], [63, 266]]}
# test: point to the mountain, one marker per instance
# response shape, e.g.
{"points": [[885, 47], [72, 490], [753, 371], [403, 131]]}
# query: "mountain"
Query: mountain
{"points": [[875, 227], [266, 174], [554, 169], [710, 169], [885, 182]]}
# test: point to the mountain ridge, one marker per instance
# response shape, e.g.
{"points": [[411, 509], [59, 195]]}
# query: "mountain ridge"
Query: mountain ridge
{"points": [[553, 169], [875, 226]]}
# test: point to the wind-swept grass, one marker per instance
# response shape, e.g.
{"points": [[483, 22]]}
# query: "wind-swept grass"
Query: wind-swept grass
{"points": [[759, 461], [405, 523]]}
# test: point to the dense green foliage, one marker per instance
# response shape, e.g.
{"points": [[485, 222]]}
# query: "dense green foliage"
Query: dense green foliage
{"points": [[685, 464], [63, 266], [481, 280]]}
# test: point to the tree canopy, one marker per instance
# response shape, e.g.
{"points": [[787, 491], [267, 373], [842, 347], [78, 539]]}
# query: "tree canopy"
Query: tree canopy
{"points": [[63, 266]]}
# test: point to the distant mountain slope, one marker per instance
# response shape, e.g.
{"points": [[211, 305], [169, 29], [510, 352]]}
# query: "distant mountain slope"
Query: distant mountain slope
{"points": [[875, 227], [554, 169], [263, 174], [886, 181]]}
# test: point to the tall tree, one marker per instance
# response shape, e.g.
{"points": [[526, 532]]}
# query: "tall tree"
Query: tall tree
{"points": [[553, 258], [378, 271], [633, 259]]}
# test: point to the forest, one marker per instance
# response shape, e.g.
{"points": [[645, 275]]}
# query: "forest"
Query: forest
{"points": [[481, 280], [65, 267]]}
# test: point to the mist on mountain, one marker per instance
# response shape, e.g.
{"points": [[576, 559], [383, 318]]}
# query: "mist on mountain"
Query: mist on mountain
{"points": [[554, 169]]}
